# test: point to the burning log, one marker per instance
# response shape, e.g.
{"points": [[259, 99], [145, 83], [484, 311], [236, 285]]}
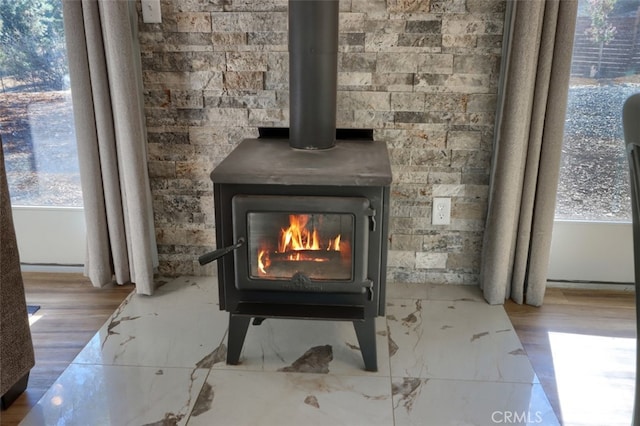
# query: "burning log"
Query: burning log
{"points": [[306, 255], [313, 270]]}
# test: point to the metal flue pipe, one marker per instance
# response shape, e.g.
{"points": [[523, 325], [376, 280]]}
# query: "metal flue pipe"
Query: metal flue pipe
{"points": [[313, 73]]}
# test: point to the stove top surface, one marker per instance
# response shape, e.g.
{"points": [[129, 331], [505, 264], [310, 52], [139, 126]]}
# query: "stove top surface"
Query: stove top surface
{"points": [[273, 161]]}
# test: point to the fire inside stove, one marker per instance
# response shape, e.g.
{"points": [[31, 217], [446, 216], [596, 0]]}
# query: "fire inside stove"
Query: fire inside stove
{"points": [[316, 245]]}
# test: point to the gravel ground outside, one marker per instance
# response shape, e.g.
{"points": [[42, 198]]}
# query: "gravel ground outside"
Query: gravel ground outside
{"points": [[594, 174]]}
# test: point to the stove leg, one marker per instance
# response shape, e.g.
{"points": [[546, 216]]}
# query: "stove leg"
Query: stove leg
{"points": [[238, 326], [366, 333]]}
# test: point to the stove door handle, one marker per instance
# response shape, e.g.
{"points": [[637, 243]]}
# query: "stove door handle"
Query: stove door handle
{"points": [[217, 254]]}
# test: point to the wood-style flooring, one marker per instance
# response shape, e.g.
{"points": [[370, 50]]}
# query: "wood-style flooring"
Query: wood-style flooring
{"points": [[602, 313], [72, 311]]}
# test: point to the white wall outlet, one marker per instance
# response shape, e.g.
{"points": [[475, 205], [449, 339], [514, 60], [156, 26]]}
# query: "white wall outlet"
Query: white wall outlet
{"points": [[441, 211], [151, 12]]}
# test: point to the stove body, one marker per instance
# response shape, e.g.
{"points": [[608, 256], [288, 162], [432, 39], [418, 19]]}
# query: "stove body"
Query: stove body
{"points": [[308, 231], [302, 217]]}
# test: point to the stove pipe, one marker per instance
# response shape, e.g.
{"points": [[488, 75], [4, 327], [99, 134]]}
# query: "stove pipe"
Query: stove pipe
{"points": [[313, 73]]}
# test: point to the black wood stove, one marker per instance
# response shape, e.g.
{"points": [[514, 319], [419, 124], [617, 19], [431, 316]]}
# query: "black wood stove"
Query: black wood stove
{"points": [[303, 220]]}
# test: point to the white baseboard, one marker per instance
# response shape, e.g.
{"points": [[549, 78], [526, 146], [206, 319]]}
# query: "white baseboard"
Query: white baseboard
{"points": [[62, 269]]}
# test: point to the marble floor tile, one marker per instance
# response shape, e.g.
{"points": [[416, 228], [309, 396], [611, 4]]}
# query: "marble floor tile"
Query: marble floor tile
{"points": [[117, 395], [455, 293], [434, 292], [406, 291], [448, 359], [455, 402], [455, 340], [331, 345], [178, 326], [272, 398]]}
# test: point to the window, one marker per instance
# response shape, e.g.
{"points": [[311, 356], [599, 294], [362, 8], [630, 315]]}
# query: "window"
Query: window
{"points": [[36, 116], [594, 176]]}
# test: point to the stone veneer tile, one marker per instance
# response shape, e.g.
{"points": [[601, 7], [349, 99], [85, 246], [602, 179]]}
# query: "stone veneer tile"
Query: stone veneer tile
{"points": [[431, 260], [406, 6], [369, 101], [352, 22], [194, 22], [464, 140], [398, 62], [475, 64], [406, 259], [268, 38], [459, 41], [422, 74], [369, 6], [431, 26], [246, 61], [371, 119], [244, 80], [198, 5], [481, 102], [186, 99], [357, 62], [380, 41], [448, 6], [228, 38], [164, 169], [252, 5], [429, 42], [436, 63], [393, 82], [407, 101], [470, 158], [352, 79], [268, 117]]}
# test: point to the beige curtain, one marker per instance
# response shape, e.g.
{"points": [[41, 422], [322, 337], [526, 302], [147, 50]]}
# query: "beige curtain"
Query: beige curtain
{"points": [[526, 163], [107, 99]]}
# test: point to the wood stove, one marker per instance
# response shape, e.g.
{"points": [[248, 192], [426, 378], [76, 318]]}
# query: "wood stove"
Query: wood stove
{"points": [[302, 219]]}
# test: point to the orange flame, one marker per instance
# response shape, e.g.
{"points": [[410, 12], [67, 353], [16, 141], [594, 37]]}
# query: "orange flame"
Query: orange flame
{"points": [[263, 261], [299, 237]]}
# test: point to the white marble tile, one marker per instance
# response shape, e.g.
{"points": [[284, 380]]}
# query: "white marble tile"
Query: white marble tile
{"points": [[268, 398], [434, 292], [161, 360], [110, 395], [455, 340], [407, 291], [184, 290], [278, 343], [455, 293], [453, 402], [176, 327]]}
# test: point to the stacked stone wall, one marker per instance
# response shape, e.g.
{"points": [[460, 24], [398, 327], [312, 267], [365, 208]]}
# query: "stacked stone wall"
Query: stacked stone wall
{"points": [[422, 74]]}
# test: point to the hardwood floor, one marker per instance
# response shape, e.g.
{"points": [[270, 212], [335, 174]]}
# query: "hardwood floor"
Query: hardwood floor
{"points": [[72, 311], [601, 313]]}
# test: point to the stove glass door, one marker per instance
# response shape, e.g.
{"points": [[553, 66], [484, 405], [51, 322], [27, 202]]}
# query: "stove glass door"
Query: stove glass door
{"points": [[302, 243], [318, 245]]}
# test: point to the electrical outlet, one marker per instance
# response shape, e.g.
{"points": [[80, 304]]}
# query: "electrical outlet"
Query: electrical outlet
{"points": [[441, 212], [151, 12]]}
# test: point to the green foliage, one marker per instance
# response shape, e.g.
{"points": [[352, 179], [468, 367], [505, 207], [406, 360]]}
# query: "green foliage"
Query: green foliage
{"points": [[601, 31], [32, 47]]}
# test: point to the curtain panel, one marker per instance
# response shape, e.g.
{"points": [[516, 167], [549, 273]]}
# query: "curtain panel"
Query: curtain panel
{"points": [[527, 150], [106, 88]]}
